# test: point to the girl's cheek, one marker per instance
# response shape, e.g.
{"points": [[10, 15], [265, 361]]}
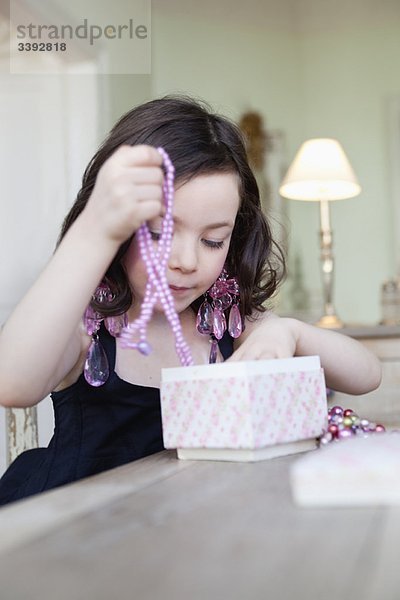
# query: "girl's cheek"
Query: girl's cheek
{"points": [[217, 270]]}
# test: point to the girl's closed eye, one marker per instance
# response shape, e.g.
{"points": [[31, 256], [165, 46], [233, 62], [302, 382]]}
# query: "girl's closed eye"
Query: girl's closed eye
{"points": [[155, 236], [213, 244]]}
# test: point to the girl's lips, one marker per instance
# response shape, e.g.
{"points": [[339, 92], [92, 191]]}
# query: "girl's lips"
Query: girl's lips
{"points": [[175, 288]]}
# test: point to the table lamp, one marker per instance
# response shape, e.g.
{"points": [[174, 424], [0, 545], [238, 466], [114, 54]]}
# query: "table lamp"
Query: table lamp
{"points": [[321, 172]]}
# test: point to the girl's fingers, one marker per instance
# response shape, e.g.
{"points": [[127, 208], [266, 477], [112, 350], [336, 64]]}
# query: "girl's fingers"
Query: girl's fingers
{"points": [[149, 192], [253, 352], [128, 190], [141, 175], [148, 210], [128, 193], [134, 156]]}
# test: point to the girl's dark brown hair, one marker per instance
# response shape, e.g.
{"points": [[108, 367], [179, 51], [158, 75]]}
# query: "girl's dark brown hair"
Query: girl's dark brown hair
{"points": [[198, 142]]}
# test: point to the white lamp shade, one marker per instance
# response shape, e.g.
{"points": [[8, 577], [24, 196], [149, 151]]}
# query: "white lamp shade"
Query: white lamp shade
{"points": [[320, 171]]}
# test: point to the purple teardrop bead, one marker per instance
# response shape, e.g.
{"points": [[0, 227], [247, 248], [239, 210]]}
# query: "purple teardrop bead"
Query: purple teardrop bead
{"points": [[204, 319], [235, 322], [96, 369], [213, 352], [219, 323]]}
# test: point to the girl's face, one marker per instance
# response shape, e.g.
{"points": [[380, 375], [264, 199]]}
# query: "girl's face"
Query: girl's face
{"points": [[204, 210]]}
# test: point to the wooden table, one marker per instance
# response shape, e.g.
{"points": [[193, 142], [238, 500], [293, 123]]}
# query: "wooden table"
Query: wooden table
{"points": [[165, 529]]}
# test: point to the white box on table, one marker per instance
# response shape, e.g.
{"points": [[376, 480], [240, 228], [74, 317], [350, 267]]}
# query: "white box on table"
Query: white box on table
{"points": [[243, 411]]}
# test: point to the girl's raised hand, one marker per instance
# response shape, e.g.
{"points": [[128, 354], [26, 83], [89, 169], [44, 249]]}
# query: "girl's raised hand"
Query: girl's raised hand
{"points": [[127, 192]]}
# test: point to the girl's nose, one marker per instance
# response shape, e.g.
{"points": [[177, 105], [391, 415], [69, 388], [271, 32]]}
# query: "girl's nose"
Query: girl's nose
{"points": [[183, 255]]}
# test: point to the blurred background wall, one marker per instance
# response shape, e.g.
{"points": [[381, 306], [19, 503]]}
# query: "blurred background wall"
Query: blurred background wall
{"points": [[311, 68]]}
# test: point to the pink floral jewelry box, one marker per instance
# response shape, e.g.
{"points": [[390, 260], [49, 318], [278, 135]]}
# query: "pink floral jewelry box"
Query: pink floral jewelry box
{"points": [[247, 410]]}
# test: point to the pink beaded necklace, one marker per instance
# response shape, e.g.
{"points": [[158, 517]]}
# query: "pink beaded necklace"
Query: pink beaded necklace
{"points": [[157, 288]]}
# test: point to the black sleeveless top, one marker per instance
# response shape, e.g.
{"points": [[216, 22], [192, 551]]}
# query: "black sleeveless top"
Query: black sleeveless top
{"points": [[96, 428]]}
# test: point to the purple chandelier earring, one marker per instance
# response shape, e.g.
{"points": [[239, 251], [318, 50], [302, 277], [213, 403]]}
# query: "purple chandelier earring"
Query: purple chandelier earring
{"points": [[96, 370], [211, 319]]}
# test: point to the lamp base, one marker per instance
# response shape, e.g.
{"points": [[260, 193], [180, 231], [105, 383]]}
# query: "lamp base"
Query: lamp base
{"points": [[330, 322]]}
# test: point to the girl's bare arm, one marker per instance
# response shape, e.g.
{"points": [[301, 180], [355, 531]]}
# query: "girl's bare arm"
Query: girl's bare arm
{"points": [[43, 339], [349, 367]]}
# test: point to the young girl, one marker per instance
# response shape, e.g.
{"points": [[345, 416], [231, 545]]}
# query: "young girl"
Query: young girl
{"points": [[217, 224]]}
